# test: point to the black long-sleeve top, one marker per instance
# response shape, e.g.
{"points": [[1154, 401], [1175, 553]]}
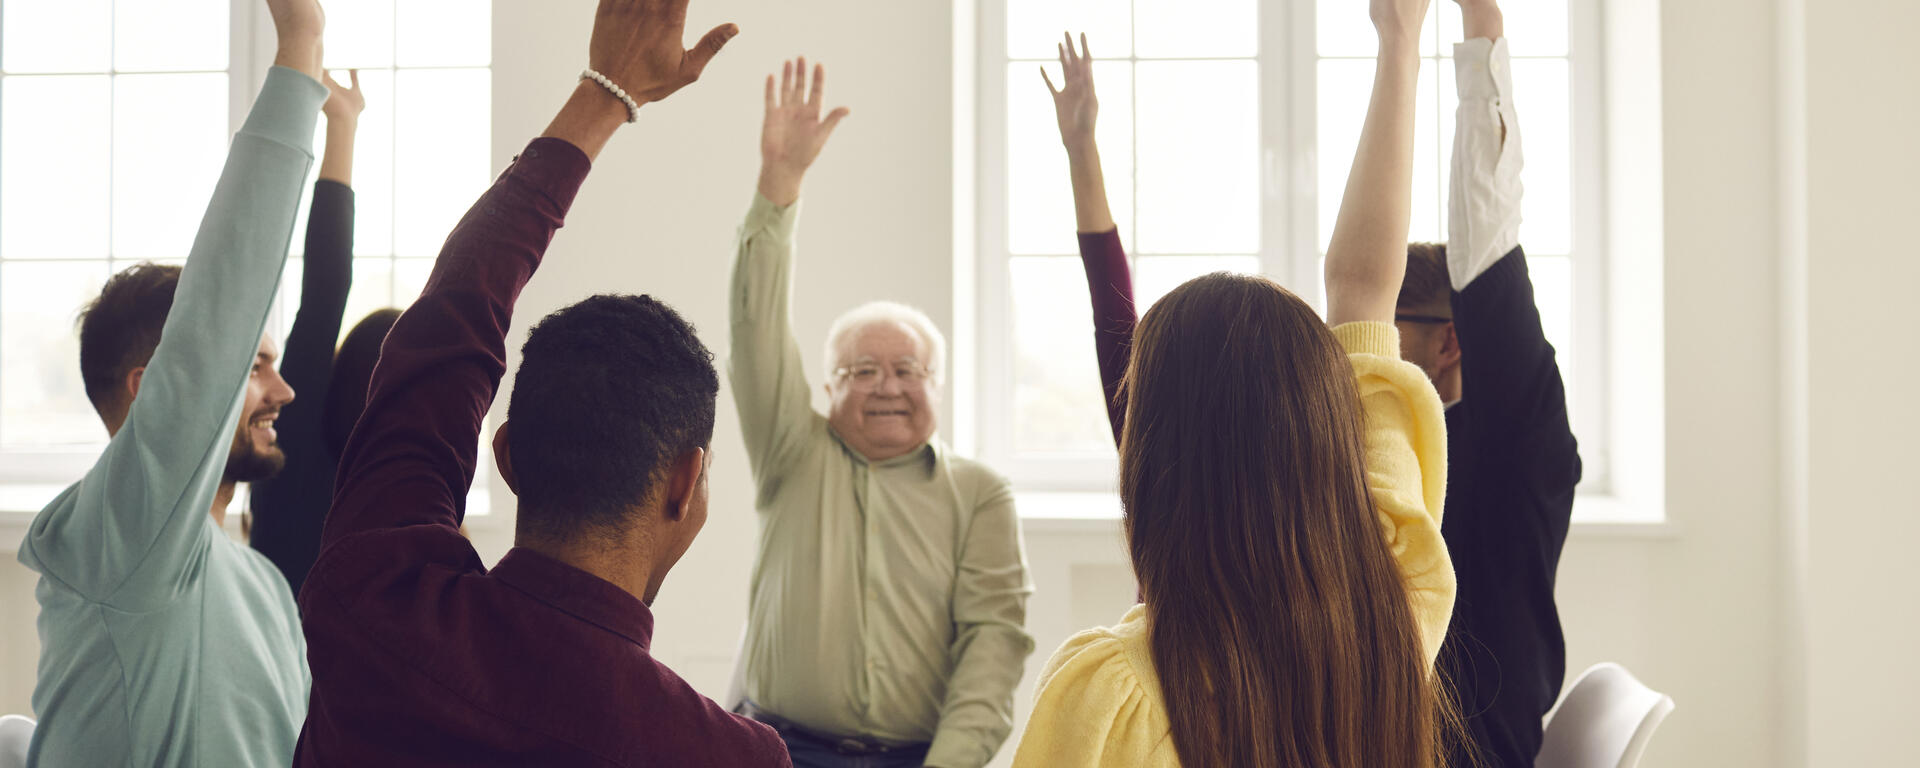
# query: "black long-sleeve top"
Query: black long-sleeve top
{"points": [[1514, 465], [289, 509]]}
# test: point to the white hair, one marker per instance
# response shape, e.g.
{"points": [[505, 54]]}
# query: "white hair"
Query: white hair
{"points": [[882, 312]]}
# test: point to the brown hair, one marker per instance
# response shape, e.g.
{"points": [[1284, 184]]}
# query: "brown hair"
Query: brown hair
{"points": [[1281, 627], [1427, 286], [121, 327]]}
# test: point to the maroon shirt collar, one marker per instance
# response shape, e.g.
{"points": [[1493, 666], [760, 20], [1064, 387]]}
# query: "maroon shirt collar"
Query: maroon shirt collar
{"points": [[576, 592]]}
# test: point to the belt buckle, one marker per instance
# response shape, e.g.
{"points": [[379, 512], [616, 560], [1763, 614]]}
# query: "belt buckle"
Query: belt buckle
{"points": [[852, 747]]}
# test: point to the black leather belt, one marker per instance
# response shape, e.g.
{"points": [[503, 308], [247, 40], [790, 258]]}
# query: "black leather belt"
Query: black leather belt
{"points": [[844, 745]]}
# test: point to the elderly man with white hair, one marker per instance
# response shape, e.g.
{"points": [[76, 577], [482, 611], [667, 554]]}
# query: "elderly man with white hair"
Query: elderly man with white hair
{"points": [[887, 622]]}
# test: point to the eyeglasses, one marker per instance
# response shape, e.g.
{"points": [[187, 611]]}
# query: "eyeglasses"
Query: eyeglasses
{"points": [[1422, 319], [868, 375]]}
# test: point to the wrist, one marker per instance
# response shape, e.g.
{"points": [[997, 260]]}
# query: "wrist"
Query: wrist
{"points": [[1081, 147], [1482, 20], [300, 54], [342, 126], [779, 184]]}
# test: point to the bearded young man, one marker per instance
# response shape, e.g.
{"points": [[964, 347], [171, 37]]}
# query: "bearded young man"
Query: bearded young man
{"points": [[164, 641]]}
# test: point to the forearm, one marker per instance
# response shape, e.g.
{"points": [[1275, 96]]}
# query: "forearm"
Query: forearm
{"points": [[1485, 189], [589, 119], [1366, 259], [977, 716], [336, 161], [1091, 210], [441, 364], [1110, 286]]}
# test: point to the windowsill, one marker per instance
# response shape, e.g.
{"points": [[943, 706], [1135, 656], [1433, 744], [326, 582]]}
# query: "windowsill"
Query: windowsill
{"points": [[1594, 516]]}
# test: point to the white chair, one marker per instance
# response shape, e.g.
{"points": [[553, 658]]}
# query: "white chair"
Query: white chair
{"points": [[1604, 721], [16, 732]]}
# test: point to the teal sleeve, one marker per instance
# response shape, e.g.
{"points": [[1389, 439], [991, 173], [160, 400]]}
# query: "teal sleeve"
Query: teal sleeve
{"points": [[135, 529]]}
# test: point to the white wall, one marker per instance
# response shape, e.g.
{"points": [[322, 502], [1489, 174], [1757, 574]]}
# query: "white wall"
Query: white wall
{"points": [[1695, 611], [1860, 122]]}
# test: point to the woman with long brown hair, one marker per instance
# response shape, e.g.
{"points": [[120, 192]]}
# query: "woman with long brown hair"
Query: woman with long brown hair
{"points": [[1282, 479]]}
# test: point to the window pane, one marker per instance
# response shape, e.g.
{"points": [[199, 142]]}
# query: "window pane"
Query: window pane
{"points": [[53, 170], [1343, 28], [372, 290], [1040, 215], [1199, 155], [1034, 27], [1546, 121], [57, 35], [1537, 28], [438, 173], [1344, 89], [1057, 397], [1158, 275], [43, 401], [1209, 28], [171, 36], [409, 278], [446, 33], [1553, 293], [169, 142], [359, 34]]}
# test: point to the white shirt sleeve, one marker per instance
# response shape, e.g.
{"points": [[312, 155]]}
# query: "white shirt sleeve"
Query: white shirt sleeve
{"points": [[1483, 205]]}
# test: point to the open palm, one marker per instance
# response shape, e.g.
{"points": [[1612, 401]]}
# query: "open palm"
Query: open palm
{"points": [[794, 133], [343, 102], [1074, 102]]}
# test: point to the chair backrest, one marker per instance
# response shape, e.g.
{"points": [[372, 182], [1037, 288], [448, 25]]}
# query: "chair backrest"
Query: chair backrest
{"points": [[16, 732], [1604, 721]]}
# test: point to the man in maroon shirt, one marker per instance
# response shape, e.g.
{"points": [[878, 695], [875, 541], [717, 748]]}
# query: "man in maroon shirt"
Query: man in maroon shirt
{"points": [[420, 654]]}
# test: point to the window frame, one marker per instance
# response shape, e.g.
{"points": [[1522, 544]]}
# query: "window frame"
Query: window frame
{"points": [[1624, 477], [29, 478]]}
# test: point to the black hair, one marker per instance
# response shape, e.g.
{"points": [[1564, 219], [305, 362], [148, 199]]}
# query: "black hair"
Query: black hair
{"points": [[610, 392], [352, 369], [121, 327]]}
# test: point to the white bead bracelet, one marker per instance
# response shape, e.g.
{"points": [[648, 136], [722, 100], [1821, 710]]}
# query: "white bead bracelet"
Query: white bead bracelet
{"points": [[633, 107]]}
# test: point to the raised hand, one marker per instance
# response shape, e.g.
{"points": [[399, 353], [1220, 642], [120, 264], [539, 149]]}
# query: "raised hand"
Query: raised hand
{"points": [[299, 25], [342, 109], [1074, 103], [343, 103], [639, 44], [793, 133], [1399, 21]]}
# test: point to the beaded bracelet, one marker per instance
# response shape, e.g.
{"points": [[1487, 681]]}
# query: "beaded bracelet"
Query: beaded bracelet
{"points": [[633, 107]]}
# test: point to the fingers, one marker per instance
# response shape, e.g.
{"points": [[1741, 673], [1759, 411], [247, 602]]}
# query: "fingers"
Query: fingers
{"points": [[819, 85], [799, 81], [786, 81], [1086, 54], [708, 47], [772, 101], [326, 78], [354, 76], [1072, 55], [1049, 80]]}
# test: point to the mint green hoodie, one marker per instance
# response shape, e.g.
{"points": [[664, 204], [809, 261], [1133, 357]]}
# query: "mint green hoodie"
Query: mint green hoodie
{"points": [[163, 641]]}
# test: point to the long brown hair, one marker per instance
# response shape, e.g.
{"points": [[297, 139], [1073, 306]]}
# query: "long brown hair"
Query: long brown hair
{"points": [[1281, 628]]}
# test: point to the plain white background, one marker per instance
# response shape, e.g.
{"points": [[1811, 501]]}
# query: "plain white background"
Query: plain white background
{"points": [[1771, 609]]}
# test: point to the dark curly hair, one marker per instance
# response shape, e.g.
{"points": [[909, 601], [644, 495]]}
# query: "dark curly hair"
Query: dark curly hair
{"points": [[609, 393]]}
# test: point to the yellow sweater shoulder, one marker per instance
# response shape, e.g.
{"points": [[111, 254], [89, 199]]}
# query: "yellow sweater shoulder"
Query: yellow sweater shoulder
{"points": [[1098, 704]]}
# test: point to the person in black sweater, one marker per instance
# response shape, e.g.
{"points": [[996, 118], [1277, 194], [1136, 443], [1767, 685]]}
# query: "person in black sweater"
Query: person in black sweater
{"points": [[1467, 316], [288, 510]]}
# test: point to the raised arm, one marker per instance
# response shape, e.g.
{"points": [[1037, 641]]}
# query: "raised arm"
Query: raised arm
{"points": [[1367, 258], [1109, 280], [765, 370], [411, 457], [286, 519], [125, 535], [1483, 202]]}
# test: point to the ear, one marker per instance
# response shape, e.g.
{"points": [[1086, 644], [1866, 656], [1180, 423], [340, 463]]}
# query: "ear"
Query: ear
{"points": [[132, 383], [503, 458], [683, 480], [1449, 347]]}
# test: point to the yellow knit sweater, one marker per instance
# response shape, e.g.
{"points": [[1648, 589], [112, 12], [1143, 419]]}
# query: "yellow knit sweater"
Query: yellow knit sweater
{"points": [[1099, 701]]}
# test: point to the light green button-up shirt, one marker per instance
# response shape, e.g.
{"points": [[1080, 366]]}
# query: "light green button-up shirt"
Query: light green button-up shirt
{"points": [[888, 598]]}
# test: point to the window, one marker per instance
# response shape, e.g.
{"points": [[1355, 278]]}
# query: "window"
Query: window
{"points": [[1226, 131], [114, 122]]}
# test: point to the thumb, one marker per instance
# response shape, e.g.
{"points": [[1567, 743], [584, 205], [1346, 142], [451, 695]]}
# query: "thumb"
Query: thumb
{"points": [[707, 48], [1050, 88], [833, 119]]}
